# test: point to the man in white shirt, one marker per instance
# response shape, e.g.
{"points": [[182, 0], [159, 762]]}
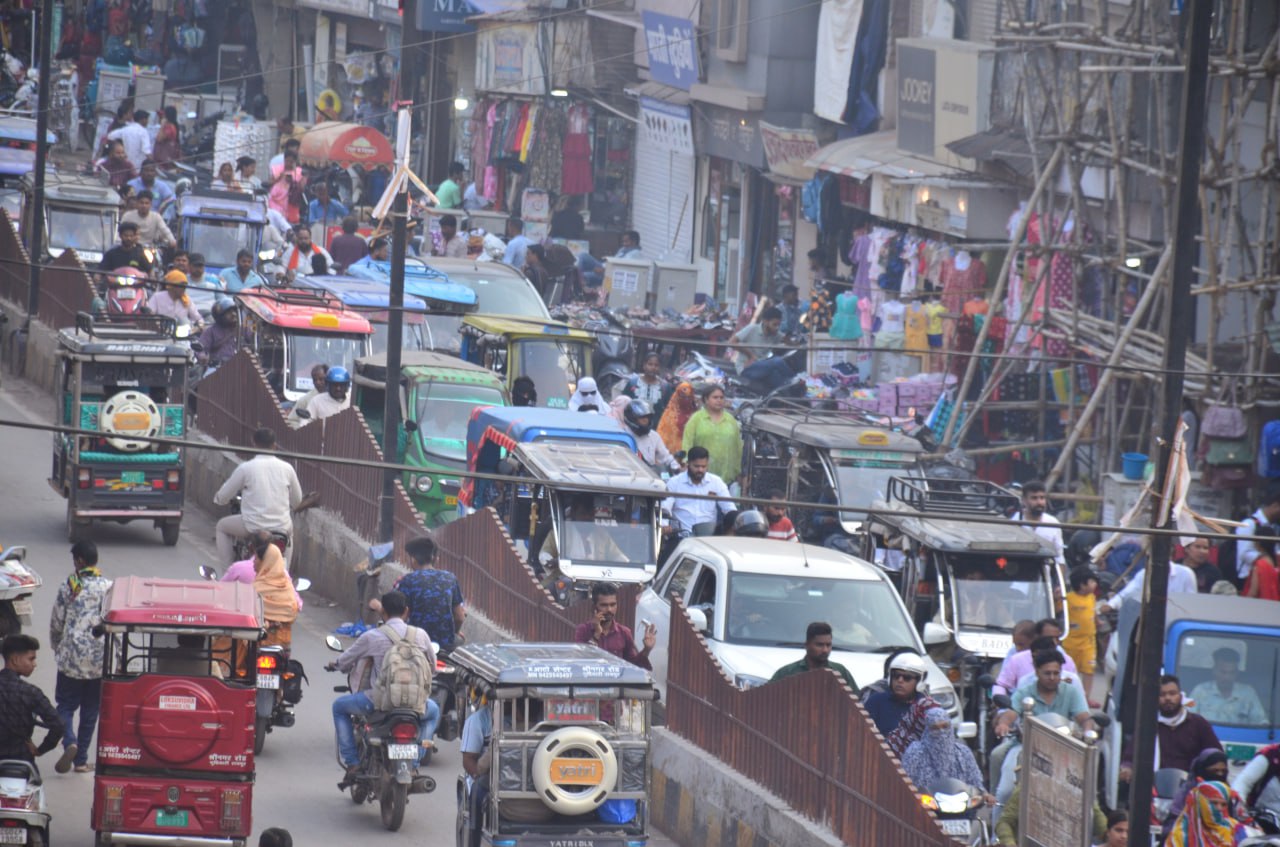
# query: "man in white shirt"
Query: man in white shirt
{"points": [[1247, 551], [135, 138], [687, 513], [517, 244], [1182, 580], [269, 494], [336, 396], [1035, 500], [152, 230]]}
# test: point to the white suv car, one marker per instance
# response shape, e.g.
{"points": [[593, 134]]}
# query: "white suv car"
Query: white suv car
{"points": [[759, 595]]}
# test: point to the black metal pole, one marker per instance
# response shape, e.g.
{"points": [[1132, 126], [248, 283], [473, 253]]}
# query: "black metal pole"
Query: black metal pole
{"points": [[37, 236], [395, 318], [1150, 644]]}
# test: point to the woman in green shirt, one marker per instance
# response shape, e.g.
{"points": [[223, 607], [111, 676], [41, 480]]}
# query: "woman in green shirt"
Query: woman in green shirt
{"points": [[717, 430]]}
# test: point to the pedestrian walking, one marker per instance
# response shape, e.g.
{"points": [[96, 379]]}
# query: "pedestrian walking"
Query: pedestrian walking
{"points": [[78, 652]]}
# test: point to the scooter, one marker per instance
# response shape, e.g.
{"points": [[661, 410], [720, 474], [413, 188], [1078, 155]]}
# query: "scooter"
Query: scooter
{"points": [[24, 817], [279, 680], [388, 747], [17, 583], [126, 291], [956, 806]]}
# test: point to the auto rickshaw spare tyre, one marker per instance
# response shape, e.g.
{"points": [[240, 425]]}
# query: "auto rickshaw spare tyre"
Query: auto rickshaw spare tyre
{"points": [[574, 769], [133, 418], [177, 721]]}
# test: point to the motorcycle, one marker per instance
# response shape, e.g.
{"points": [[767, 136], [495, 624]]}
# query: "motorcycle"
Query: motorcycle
{"points": [[956, 806], [771, 380], [243, 547], [388, 747], [24, 817], [17, 583], [613, 353], [126, 291], [444, 692], [280, 678]]}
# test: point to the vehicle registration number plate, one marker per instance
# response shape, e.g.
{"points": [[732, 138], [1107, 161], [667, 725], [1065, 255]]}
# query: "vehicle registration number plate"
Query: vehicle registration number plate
{"points": [[268, 680], [1240, 752], [134, 477], [127, 294], [450, 500], [960, 828], [13, 835], [402, 751], [164, 818], [22, 606]]}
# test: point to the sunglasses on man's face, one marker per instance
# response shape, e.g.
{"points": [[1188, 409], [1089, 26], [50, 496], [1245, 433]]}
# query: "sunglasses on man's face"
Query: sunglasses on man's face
{"points": [[909, 677]]}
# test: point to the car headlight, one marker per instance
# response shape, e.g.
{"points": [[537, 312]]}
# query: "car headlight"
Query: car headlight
{"points": [[423, 484], [946, 698], [745, 680]]}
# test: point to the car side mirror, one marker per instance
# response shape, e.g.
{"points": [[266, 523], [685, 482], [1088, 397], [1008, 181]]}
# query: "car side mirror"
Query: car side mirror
{"points": [[699, 619], [967, 729], [935, 633], [410, 426], [332, 642], [209, 573]]}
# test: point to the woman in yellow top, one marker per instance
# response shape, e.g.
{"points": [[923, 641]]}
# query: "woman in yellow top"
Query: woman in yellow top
{"points": [[1081, 642], [715, 429]]}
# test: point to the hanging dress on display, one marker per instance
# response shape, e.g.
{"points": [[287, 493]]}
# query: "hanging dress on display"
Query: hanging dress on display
{"points": [[576, 177], [846, 326]]}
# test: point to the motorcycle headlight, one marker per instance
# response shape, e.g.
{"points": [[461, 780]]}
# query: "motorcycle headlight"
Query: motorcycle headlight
{"points": [[423, 484], [266, 255], [952, 804], [745, 680]]}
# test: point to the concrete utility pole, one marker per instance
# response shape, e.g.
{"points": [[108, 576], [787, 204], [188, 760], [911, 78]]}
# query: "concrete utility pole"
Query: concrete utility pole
{"points": [[399, 237], [36, 237], [1150, 644]]}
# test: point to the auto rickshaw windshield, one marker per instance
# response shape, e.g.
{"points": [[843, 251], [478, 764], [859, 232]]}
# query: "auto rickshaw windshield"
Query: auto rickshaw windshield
{"points": [[219, 241], [860, 481], [443, 412], [994, 592], [307, 350], [554, 365], [81, 229], [608, 529]]}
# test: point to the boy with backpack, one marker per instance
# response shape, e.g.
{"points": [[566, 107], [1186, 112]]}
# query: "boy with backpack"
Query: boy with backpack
{"points": [[394, 663]]}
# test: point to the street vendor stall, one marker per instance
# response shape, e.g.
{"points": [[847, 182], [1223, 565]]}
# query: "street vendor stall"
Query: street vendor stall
{"points": [[344, 144]]}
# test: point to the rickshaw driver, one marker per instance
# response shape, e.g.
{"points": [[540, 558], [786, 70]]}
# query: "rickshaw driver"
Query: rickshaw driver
{"points": [[269, 491]]}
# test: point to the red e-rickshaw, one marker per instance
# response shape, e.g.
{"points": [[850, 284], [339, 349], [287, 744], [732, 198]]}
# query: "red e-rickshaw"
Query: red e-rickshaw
{"points": [[175, 761]]}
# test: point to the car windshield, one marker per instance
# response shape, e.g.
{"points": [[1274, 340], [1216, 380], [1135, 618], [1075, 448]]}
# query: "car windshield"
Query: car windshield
{"points": [[994, 592], [413, 337], [82, 229], [860, 481], [772, 609], [554, 366], [307, 350], [442, 333], [501, 293], [1233, 677], [443, 412], [607, 529], [219, 241]]}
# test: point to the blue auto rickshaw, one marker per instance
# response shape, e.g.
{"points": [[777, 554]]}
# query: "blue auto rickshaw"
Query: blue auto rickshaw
{"points": [[219, 224], [447, 301], [574, 530], [374, 302]]}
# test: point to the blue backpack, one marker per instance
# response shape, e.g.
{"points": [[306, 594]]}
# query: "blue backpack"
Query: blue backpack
{"points": [[1269, 450]]}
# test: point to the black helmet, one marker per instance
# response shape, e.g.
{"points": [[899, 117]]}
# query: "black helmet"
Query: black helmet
{"points": [[636, 410], [222, 305], [751, 523]]}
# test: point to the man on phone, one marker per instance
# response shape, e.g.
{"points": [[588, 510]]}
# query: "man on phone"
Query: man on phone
{"points": [[604, 631]]}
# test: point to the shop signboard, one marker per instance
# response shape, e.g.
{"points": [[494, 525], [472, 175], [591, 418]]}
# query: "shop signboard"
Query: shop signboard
{"points": [[1059, 776], [944, 94], [730, 134], [917, 85], [673, 49], [786, 150], [507, 59], [666, 125]]}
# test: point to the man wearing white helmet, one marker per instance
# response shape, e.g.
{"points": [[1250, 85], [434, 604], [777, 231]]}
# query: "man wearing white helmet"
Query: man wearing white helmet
{"points": [[899, 711]]}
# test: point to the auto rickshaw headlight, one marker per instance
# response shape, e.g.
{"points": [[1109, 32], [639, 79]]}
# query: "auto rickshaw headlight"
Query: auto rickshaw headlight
{"points": [[266, 255], [423, 483]]}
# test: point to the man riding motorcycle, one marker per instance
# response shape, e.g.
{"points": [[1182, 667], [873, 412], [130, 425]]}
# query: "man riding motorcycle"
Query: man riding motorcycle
{"points": [[367, 653], [638, 417], [269, 494], [336, 397], [128, 253], [221, 339]]}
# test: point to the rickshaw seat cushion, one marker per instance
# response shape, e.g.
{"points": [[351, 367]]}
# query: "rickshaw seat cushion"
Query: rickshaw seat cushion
{"points": [[129, 458]]}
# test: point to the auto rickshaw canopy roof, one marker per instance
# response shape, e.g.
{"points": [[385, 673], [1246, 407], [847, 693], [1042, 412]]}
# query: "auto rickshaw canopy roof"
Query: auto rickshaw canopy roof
{"points": [[136, 601], [599, 464], [344, 144], [84, 189], [524, 327], [311, 309], [223, 205], [14, 128], [508, 426], [834, 432], [548, 665]]}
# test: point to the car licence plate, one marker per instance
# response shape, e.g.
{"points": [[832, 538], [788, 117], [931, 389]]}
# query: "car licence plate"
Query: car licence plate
{"points": [[402, 751], [13, 835], [957, 828], [133, 477], [164, 818], [451, 501], [268, 680], [22, 606]]}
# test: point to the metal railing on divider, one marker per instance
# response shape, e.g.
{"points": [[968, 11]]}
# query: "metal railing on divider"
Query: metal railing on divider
{"points": [[806, 738]]}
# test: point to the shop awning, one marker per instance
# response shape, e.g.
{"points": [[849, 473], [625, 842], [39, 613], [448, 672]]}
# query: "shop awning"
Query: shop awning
{"points": [[876, 153], [1005, 147], [345, 144], [658, 91]]}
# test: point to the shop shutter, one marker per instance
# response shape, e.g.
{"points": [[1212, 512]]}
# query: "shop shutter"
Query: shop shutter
{"points": [[664, 186]]}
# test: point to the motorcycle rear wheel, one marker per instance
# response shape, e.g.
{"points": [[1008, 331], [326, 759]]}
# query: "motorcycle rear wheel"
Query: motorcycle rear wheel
{"points": [[393, 799], [261, 724]]}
